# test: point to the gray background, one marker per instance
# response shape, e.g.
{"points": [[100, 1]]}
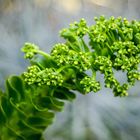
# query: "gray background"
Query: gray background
{"points": [[95, 116]]}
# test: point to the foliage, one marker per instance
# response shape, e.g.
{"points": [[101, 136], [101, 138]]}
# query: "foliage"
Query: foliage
{"points": [[28, 105]]}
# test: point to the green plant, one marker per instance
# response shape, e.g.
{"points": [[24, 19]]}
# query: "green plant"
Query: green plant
{"points": [[28, 104]]}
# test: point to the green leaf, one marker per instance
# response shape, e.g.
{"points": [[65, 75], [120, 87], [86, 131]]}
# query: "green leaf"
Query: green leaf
{"points": [[2, 114], [39, 122], [64, 94], [15, 89], [27, 130], [6, 107], [51, 103]]}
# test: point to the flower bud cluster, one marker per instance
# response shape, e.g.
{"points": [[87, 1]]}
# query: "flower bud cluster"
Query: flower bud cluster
{"points": [[31, 75], [97, 32], [89, 84], [137, 38], [105, 30], [30, 50], [111, 82], [47, 76], [112, 30], [135, 25], [125, 48], [127, 59], [121, 90], [59, 49], [103, 64], [115, 44], [80, 60], [65, 56], [75, 29], [126, 63], [133, 76]]}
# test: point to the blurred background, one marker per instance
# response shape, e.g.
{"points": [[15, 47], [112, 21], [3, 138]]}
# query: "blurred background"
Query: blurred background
{"points": [[92, 117]]}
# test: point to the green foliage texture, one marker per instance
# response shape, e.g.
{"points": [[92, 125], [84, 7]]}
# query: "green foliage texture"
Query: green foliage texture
{"points": [[30, 100]]}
